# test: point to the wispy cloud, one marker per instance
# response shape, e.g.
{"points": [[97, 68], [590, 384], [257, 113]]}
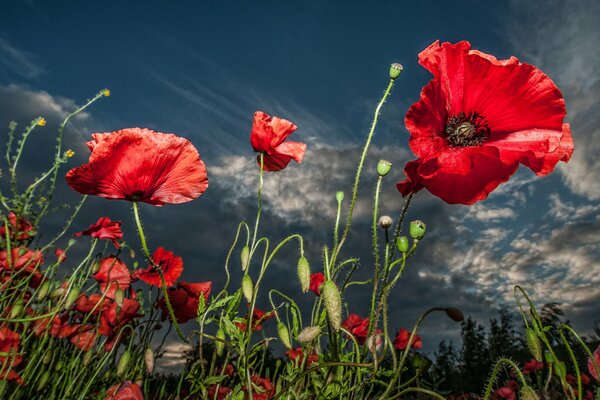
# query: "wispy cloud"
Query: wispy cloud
{"points": [[18, 61]]}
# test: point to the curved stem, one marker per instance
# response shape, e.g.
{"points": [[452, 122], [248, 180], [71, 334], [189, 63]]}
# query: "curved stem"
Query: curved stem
{"points": [[575, 364], [500, 363], [260, 186]]}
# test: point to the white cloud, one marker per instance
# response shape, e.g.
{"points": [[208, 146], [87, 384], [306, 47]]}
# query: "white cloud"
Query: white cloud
{"points": [[18, 61]]}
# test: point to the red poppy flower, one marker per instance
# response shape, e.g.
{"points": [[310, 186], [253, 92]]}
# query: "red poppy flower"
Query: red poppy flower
{"points": [[262, 388], [114, 317], [124, 391], [139, 164], [267, 137], [590, 364], [170, 264], [477, 119], [316, 280], [60, 254], [258, 318], [84, 338], [297, 356], [112, 275], [22, 261], [104, 228], [9, 346], [221, 392], [532, 366], [19, 228], [505, 393], [401, 340], [185, 300]]}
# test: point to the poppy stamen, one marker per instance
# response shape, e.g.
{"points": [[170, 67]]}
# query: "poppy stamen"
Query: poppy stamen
{"points": [[466, 129]]}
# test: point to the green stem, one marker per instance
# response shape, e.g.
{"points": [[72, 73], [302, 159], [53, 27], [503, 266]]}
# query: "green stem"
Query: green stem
{"points": [[398, 229], [500, 363], [260, 186], [585, 347], [575, 364]]}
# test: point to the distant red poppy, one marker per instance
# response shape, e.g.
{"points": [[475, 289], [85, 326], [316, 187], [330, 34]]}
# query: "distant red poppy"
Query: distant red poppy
{"points": [[477, 119], [262, 388], [124, 391], [9, 346], [401, 340], [297, 356], [84, 338], [505, 393], [221, 392], [60, 254], [22, 261], [267, 137], [19, 228], [316, 280], [104, 228], [358, 327], [112, 275], [139, 164], [590, 364], [170, 264], [532, 366], [185, 300], [258, 318]]}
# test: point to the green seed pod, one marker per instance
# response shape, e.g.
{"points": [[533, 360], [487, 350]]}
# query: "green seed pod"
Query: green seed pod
{"points": [[395, 70], [119, 297], [383, 167], [219, 345], [95, 267], [309, 334], [284, 335], [402, 244], [303, 271], [59, 365], [43, 381], [548, 357], [339, 196], [533, 343], [247, 288], [123, 363], [333, 304], [149, 360], [71, 297], [417, 229], [527, 393], [47, 358], [245, 257], [71, 242], [43, 290], [58, 292]]}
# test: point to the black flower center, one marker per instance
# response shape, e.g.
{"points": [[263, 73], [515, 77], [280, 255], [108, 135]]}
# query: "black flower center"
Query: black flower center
{"points": [[466, 129]]}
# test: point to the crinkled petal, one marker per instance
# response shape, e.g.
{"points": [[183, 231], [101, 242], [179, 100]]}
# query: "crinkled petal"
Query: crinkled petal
{"points": [[269, 132]]}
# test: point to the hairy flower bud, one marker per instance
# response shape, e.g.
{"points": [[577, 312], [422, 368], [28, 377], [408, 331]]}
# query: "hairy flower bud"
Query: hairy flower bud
{"points": [[71, 297], [245, 257], [16, 309], [385, 221], [402, 244], [533, 343], [333, 304], [43, 290], [417, 229], [95, 267], [284, 335], [219, 345], [43, 381], [87, 358], [455, 314], [119, 296], [149, 360], [527, 393], [123, 363], [47, 357], [247, 288], [384, 167], [303, 272], [309, 334], [395, 70]]}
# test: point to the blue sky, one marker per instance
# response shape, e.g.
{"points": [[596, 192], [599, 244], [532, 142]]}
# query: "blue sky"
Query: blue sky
{"points": [[201, 69]]}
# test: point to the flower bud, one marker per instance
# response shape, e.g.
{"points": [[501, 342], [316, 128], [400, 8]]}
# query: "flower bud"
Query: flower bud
{"points": [[58, 292], [16, 309], [59, 365], [149, 360], [245, 257], [95, 267], [333, 304], [219, 345], [527, 393], [43, 290], [402, 244], [119, 297], [417, 229], [47, 358], [303, 271], [284, 335], [560, 369], [87, 358], [395, 70], [455, 314], [548, 357], [385, 221], [309, 334], [339, 196], [71, 297], [533, 343], [43, 381], [383, 167], [123, 363], [247, 288]]}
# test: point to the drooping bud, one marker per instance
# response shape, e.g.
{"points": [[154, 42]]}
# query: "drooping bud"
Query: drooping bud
{"points": [[384, 167], [43, 290], [245, 257], [527, 393], [309, 334], [58, 292], [402, 244], [333, 304], [395, 70], [247, 288], [43, 381], [123, 363], [119, 297], [533, 344], [284, 335], [47, 358], [303, 271], [149, 360], [219, 345], [71, 242], [417, 229], [455, 314], [95, 267], [339, 196], [385, 221], [71, 297]]}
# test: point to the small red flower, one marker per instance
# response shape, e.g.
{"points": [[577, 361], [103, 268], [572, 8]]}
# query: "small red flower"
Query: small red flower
{"points": [[401, 340], [590, 364], [22, 261], [316, 280], [267, 137], [532, 366], [477, 119], [258, 317], [297, 356], [60, 254], [505, 393], [84, 338], [114, 317], [139, 164], [170, 264], [19, 228], [358, 326], [112, 275], [185, 300], [9, 347], [262, 388], [221, 392], [124, 391], [104, 228]]}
